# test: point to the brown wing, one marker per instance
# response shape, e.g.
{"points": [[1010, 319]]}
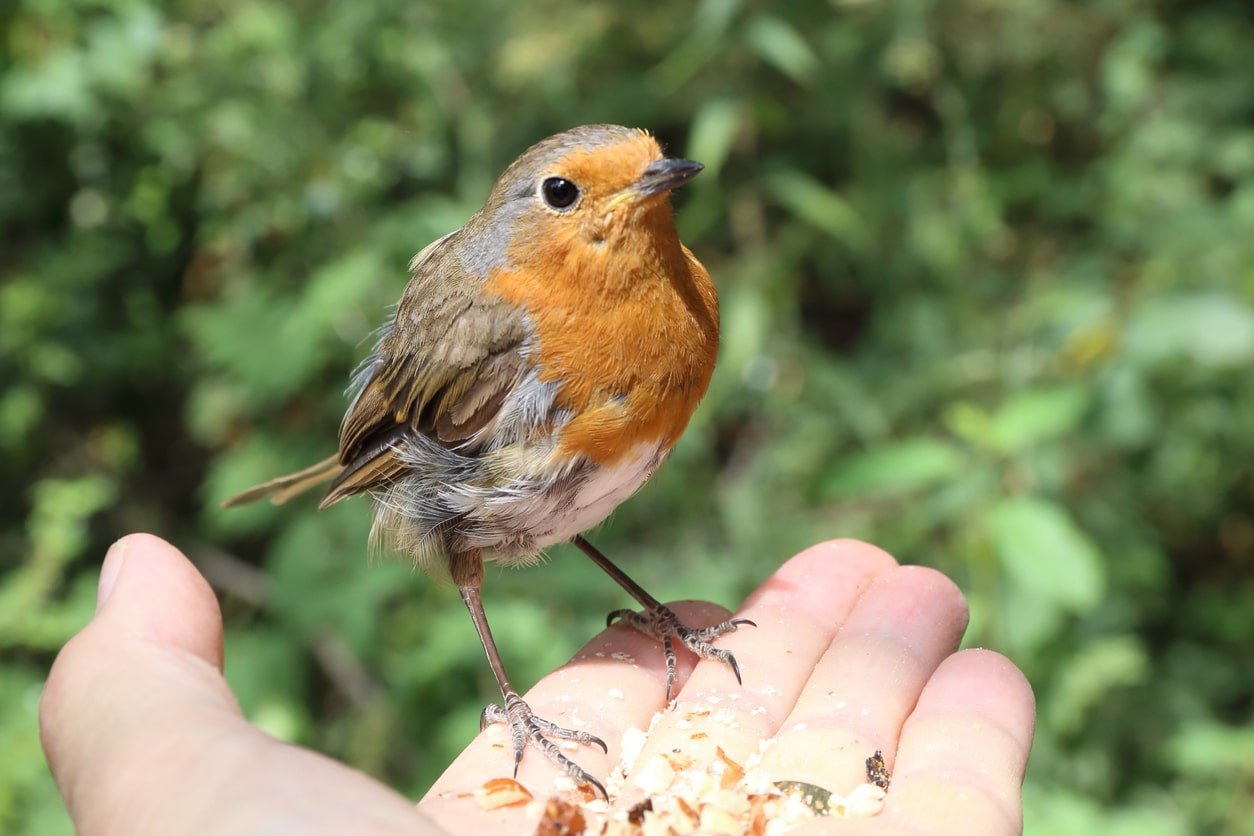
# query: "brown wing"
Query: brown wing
{"points": [[444, 368]]}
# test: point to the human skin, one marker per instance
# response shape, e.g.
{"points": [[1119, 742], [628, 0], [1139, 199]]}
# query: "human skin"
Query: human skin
{"points": [[851, 653]]}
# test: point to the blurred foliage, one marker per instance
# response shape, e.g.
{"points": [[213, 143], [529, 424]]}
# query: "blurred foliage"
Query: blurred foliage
{"points": [[987, 275]]}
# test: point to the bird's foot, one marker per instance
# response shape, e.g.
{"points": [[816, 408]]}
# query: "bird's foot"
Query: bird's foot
{"points": [[663, 625], [525, 726]]}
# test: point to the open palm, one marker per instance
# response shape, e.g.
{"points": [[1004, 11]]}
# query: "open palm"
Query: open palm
{"points": [[852, 653]]}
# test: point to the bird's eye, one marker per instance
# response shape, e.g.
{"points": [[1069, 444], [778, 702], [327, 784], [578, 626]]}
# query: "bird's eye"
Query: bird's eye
{"points": [[559, 192]]}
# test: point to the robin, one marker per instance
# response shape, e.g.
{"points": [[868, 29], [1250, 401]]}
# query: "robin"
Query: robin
{"points": [[541, 363]]}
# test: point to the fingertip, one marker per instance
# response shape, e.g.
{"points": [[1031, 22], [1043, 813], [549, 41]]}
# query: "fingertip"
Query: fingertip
{"points": [[850, 545], [109, 570], [150, 590], [845, 550], [922, 597], [987, 683], [813, 581], [843, 557], [970, 736]]}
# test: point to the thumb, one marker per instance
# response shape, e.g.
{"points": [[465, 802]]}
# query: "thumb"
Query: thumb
{"points": [[144, 736], [149, 662], [162, 599]]}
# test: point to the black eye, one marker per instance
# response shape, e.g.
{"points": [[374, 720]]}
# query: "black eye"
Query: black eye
{"points": [[559, 192]]}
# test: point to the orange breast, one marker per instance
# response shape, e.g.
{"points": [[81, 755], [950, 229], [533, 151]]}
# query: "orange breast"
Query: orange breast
{"points": [[628, 327]]}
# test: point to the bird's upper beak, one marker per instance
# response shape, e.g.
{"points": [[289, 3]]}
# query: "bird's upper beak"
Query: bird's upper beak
{"points": [[664, 175]]}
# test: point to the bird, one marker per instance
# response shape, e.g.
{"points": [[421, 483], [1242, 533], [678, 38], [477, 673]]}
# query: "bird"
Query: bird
{"points": [[540, 365]]}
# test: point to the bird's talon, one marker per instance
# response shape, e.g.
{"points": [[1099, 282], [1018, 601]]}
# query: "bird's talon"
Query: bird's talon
{"points": [[491, 713], [525, 726], [662, 624], [588, 779]]}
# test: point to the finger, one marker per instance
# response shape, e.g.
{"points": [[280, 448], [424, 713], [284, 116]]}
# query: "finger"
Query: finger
{"points": [[868, 681], [964, 749], [617, 681], [798, 612], [151, 603], [144, 736]]}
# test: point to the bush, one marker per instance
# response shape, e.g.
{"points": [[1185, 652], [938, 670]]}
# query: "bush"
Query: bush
{"points": [[988, 296]]}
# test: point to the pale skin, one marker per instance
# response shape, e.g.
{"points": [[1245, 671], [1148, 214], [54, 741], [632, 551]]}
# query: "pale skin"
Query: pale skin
{"points": [[852, 653]]}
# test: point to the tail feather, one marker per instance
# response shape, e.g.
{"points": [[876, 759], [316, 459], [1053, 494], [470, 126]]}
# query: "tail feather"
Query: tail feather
{"points": [[283, 488]]}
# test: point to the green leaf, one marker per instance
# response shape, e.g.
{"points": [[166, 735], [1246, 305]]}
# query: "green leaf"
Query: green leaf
{"points": [[1037, 415], [1046, 555], [895, 468], [714, 131], [1094, 670], [1212, 749], [782, 46], [1209, 329], [969, 422], [819, 206]]}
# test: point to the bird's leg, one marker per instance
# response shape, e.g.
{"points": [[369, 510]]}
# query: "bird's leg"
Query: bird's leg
{"points": [[660, 622], [467, 572]]}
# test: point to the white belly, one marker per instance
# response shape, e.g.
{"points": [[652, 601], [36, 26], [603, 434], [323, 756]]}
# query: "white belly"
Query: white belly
{"points": [[556, 515]]}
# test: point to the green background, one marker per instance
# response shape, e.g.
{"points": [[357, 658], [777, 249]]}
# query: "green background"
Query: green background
{"points": [[987, 271]]}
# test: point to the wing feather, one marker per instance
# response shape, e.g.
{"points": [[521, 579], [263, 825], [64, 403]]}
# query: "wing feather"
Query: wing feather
{"points": [[443, 369]]}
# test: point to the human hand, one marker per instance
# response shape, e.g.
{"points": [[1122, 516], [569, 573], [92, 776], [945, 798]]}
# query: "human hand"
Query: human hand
{"points": [[144, 736]]}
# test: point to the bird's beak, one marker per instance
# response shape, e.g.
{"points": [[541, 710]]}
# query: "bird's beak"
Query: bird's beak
{"points": [[664, 175]]}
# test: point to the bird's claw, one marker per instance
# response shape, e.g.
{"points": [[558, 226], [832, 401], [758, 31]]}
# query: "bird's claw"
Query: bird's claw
{"points": [[525, 726], [662, 624]]}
